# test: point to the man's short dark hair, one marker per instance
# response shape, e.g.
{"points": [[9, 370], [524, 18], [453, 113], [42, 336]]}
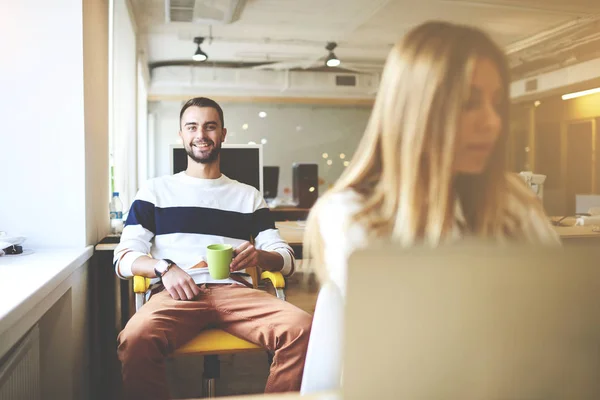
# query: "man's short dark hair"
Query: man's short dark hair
{"points": [[202, 102]]}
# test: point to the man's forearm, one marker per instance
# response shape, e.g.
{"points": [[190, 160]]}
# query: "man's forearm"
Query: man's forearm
{"points": [[270, 260], [144, 266]]}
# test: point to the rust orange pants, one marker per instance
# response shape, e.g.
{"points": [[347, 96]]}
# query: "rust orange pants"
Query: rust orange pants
{"points": [[163, 324]]}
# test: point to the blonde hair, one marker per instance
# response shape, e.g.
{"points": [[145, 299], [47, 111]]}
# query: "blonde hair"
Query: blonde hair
{"points": [[403, 167]]}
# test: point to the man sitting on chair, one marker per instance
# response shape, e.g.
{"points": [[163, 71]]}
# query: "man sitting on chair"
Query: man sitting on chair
{"points": [[174, 218]]}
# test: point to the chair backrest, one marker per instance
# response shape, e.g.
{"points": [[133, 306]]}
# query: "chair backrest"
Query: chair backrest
{"points": [[473, 321], [323, 366]]}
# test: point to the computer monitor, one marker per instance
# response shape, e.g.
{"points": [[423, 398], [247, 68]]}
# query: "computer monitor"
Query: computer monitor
{"points": [[271, 181], [305, 179], [241, 162]]}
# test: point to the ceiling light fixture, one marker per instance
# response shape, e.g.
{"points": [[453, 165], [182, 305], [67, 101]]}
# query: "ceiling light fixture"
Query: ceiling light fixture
{"points": [[579, 94], [199, 55], [332, 60]]}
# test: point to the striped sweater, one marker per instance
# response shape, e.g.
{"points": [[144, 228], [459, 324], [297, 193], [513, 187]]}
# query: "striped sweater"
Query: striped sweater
{"points": [[178, 216]]}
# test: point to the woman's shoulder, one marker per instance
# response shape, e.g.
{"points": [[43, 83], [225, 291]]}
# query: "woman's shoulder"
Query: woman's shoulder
{"points": [[335, 213], [341, 234], [338, 206], [347, 197]]}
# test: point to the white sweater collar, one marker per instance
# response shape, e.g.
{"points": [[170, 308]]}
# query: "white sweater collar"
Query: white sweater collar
{"points": [[222, 180]]}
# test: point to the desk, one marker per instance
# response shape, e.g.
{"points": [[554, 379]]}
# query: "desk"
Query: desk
{"points": [[289, 213], [571, 233], [577, 232], [288, 396], [291, 231]]}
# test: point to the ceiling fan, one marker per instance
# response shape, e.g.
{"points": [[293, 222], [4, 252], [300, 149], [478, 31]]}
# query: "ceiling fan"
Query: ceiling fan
{"points": [[321, 62]]}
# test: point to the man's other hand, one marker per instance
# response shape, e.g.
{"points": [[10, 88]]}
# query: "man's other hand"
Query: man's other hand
{"points": [[244, 256]]}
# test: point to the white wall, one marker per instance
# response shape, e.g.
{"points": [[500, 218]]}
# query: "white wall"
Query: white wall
{"points": [[52, 129], [42, 153], [54, 157], [294, 133]]}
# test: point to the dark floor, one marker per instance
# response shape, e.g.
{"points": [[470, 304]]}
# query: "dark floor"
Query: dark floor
{"points": [[240, 373]]}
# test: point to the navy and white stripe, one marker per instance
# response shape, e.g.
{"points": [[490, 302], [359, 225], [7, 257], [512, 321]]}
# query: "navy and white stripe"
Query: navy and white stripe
{"points": [[177, 216], [199, 220]]}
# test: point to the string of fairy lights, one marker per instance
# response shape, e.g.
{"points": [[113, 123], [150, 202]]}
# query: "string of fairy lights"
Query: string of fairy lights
{"points": [[329, 161]]}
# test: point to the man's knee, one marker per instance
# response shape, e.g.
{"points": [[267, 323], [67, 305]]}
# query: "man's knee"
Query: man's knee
{"points": [[300, 325], [140, 339]]}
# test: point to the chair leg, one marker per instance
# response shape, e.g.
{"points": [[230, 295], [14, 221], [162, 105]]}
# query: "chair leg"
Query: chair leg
{"points": [[212, 371], [280, 293], [208, 388]]}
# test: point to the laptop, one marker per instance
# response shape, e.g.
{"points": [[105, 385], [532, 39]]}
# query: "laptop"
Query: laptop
{"points": [[473, 321]]}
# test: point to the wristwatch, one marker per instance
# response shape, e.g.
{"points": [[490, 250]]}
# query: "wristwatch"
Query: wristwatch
{"points": [[162, 266]]}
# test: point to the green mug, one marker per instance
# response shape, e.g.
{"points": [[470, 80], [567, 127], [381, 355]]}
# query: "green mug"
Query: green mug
{"points": [[219, 258]]}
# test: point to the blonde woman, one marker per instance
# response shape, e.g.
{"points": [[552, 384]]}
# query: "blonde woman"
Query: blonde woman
{"points": [[430, 166]]}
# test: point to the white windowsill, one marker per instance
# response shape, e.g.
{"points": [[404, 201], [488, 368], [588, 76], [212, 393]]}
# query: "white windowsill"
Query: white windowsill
{"points": [[29, 288]]}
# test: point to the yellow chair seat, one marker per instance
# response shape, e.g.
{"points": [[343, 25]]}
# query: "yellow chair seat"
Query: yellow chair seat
{"points": [[216, 341]]}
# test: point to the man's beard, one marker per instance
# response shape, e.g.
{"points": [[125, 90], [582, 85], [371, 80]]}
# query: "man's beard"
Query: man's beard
{"points": [[207, 157]]}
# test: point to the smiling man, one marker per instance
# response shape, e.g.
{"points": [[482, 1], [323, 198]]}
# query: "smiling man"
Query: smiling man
{"points": [[204, 149], [174, 218]]}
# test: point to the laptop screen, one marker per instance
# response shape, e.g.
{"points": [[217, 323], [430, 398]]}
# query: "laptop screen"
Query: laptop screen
{"points": [[473, 322]]}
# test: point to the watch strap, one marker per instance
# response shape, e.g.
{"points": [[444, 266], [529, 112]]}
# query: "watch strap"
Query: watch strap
{"points": [[159, 274]]}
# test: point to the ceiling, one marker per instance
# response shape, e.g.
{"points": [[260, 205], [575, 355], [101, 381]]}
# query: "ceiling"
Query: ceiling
{"points": [[537, 34]]}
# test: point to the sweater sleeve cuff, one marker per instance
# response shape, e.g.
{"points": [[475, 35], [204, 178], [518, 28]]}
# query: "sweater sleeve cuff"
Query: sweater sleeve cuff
{"points": [[288, 262], [123, 266]]}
